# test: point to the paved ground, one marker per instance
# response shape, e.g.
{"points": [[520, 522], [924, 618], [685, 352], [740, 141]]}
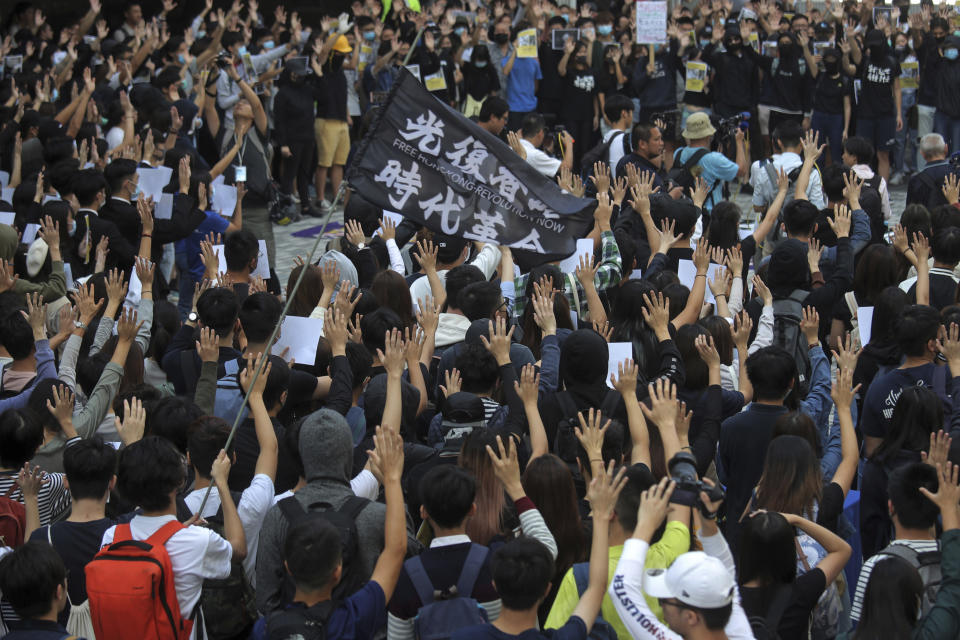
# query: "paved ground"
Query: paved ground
{"points": [[298, 238]]}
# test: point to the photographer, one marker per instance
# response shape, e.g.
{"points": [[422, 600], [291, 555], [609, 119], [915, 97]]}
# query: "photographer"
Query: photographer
{"points": [[714, 167], [533, 132]]}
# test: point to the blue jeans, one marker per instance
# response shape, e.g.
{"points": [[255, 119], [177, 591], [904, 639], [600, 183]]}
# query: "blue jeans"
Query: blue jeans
{"points": [[830, 128], [904, 154], [949, 128]]}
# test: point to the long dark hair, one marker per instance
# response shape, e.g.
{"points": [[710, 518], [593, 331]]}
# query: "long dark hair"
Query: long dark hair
{"points": [[309, 292], [629, 326], [891, 602], [767, 551], [876, 270], [696, 369], [722, 333], [917, 414], [791, 481], [549, 484], [392, 291]]}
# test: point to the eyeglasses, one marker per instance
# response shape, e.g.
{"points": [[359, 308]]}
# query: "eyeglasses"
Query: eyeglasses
{"points": [[672, 603]]}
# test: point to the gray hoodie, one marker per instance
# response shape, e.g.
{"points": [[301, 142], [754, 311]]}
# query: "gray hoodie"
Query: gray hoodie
{"points": [[326, 446]]}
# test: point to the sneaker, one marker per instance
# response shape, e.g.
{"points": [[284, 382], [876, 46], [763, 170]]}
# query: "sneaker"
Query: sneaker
{"points": [[897, 179], [323, 204], [312, 212], [295, 198], [284, 220]]}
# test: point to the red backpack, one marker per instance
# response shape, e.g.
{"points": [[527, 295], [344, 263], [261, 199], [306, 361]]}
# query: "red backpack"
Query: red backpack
{"points": [[13, 519], [131, 591]]}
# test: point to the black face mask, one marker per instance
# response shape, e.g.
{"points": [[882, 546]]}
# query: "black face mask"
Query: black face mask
{"points": [[445, 52], [336, 62], [732, 46], [831, 66], [582, 60], [940, 39], [787, 50], [501, 38], [384, 48], [877, 51]]}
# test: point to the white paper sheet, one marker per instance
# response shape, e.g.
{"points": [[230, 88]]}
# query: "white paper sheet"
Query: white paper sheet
{"points": [[4, 179], [570, 263], [224, 200], [263, 263], [152, 181], [7, 194], [7, 217], [164, 207], [301, 335], [30, 233], [688, 274], [865, 324], [390, 215], [636, 274], [68, 276], [619, 351]]}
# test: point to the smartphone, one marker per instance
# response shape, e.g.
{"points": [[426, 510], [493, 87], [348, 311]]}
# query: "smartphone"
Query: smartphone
{"points": [[240, 174]]}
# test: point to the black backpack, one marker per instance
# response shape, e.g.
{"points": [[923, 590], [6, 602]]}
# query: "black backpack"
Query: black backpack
{"points": [[765, 627], [344, 518], [685, 175], [787, 314], [935, 197], [229, 604], [300, 623], [601, 153]]}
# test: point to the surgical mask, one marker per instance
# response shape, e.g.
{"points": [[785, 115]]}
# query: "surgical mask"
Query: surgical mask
{"points": [[899, 48], [72, 229], [369, 36], [480, 64], [242, 50], [704, 44], [565, 17], [950, 54], [180, 58], [268, 44], [103, 122], [605, 29], [459, 31], [589, 32], [136, 192], [55, 95], [201, 33]]}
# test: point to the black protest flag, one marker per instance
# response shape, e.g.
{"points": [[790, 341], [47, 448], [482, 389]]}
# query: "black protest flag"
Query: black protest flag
{"points": [[429, 163]]}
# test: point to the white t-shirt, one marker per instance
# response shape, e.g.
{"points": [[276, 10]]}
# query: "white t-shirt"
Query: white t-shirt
{"points": [[547, 165], [616, 148], [487, 261], [196, 554], [255, 501]]}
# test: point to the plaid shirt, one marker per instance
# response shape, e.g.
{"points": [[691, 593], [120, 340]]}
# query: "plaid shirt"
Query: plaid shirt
{"points": [[608, 275]]}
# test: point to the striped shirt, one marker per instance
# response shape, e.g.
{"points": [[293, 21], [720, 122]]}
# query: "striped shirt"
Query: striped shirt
{"points": [[920, 546]]}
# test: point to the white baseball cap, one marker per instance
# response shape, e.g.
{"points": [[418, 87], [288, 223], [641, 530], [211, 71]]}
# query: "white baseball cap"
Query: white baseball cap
{"points": [[695, 579]]}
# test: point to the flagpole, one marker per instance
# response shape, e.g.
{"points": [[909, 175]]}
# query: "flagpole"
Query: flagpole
{"points": [[276, 330], [413, 46]]}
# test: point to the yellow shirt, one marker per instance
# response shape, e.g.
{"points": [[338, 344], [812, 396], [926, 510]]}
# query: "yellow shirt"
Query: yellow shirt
{"points": [[675, 541]]}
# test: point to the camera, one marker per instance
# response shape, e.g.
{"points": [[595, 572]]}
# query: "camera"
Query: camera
{"points": [[682, 469], [223, 60], [727, 127]]}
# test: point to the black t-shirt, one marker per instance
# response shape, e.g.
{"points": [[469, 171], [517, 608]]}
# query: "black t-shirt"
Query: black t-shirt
{"points": [[828, 97], [479, 82], [333, 85], [77, 543], [580, 89], [756, 601], [247, 448], [830, 507], [876, 92]]}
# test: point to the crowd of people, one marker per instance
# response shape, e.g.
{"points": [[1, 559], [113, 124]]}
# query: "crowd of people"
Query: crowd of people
{"points": [[775, 456]]}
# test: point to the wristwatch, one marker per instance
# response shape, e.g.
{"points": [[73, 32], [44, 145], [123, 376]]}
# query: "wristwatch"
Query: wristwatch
{"points": [[79, 325], [361, 245], [193, 317]]}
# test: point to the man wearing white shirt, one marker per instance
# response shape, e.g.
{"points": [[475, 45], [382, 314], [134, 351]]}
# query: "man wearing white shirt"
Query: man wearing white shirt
{"points": [[788, 138], [451, 252], [618, 110], [533, 131]]}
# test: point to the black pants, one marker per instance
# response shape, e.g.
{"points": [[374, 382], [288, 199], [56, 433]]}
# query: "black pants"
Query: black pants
{"points": [[299, 165]]}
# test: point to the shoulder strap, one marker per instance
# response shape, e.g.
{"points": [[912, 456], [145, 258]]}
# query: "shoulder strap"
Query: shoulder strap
{"points": [[291, 509], [353, 506], [695, 159], [778, 607], [121, 533], [471, 570], [164, 533], [421, 581], [909, 554], [581, 576], [767, 165], [799, 295]]}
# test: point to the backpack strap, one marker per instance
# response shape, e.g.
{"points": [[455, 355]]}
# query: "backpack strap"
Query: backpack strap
{"points": [[291, 509], [695, 159], [471, 570], [353, 506], [581, 576], [121, 533], [421, 581], [798, 295], [778, 607], [161, 535], [767, 164]]}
